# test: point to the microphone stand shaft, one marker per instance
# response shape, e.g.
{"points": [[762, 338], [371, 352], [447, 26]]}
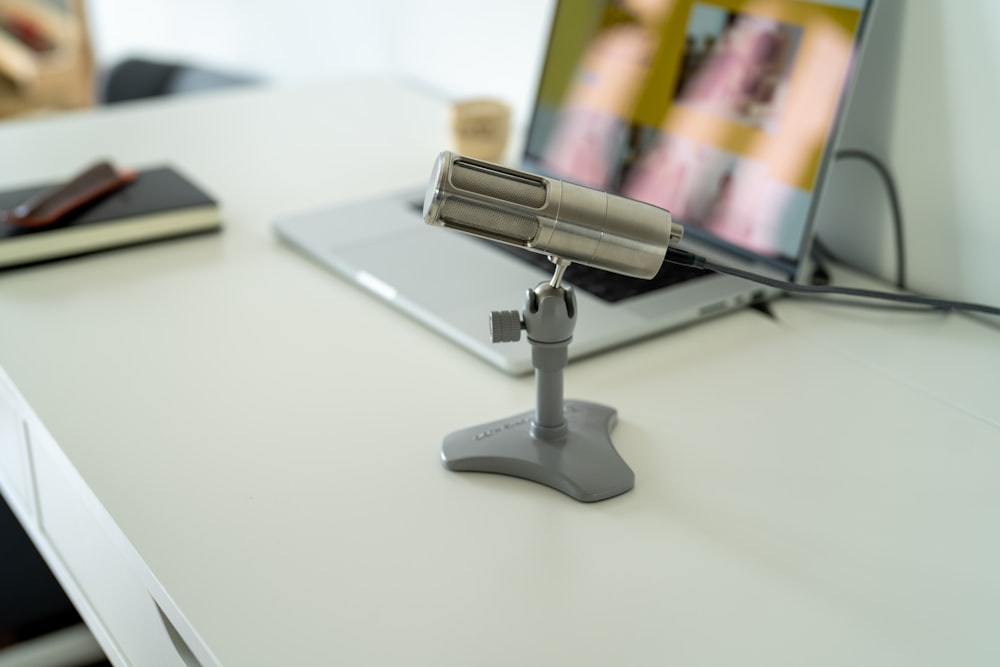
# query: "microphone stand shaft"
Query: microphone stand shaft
{"points": [[563, 444]]}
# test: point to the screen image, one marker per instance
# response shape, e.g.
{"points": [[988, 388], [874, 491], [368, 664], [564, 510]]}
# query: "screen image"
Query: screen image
{"points": [[719, 111]]}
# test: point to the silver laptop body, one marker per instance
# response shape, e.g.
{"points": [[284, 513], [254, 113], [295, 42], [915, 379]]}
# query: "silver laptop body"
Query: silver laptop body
{"points": [[725, 118]]}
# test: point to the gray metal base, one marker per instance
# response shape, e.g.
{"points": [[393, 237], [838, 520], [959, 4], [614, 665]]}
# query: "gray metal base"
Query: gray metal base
{"points": [[581, 462]]}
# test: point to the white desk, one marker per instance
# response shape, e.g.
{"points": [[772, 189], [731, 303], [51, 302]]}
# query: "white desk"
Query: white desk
{"points": [[194, 427]]}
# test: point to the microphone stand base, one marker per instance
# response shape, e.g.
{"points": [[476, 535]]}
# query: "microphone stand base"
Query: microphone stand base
{"points": [[582, 462]]}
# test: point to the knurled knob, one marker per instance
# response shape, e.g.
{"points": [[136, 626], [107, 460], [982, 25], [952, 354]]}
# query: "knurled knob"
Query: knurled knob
{"points": [[505, 326]]}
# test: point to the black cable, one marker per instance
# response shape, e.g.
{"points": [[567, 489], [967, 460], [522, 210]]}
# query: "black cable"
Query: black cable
{"points": [[897, 213], [684, 258], [832, 300]]}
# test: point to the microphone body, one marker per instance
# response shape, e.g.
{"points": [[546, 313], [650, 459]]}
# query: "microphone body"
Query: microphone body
{"points": [[549, 216]]}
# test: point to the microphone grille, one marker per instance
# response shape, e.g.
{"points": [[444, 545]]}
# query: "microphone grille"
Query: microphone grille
{"points": [[482, 180], [492, 222]]}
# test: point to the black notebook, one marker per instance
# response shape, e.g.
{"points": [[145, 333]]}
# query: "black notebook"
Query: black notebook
{"points": [[160, 203]]}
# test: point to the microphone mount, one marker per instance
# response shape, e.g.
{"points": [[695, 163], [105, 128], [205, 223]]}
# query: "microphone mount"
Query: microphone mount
{"points": [[562, 444]]}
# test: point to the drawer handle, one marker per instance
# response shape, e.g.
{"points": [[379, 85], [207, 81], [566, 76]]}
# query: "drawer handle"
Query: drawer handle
{"points": [[183, 650]]}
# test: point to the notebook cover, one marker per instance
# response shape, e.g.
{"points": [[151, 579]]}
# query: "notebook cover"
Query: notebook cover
{"points": [[155, 192]]}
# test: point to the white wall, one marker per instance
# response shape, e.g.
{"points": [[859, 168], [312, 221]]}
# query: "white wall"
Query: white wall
{"points": [[474, 47], [927, 102], [287, 40]]}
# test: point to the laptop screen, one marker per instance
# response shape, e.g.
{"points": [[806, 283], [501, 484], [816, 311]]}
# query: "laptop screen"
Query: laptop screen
{"points": [[720, 111]]}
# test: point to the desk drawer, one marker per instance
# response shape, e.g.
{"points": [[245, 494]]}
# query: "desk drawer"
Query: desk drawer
{"points": [[15, 472], [99, 574]]}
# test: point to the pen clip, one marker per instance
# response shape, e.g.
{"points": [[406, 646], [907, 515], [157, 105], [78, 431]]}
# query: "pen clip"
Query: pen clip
{"points": [[50, 206]]}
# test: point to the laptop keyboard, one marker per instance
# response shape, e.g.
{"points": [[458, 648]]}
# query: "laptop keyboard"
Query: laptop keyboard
{"points": [[611, 287]]}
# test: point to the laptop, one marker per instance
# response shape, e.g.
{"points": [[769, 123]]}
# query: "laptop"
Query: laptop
{"points": [[724, 112]]}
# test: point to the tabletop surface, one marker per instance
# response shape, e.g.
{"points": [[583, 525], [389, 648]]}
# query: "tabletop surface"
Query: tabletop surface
{"points": [[817, 487]]}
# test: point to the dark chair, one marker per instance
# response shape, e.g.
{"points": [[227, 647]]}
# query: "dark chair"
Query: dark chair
{"points": [[138, 78]]}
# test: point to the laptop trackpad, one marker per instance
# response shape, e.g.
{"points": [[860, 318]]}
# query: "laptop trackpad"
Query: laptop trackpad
{"points": [[439, 270]]}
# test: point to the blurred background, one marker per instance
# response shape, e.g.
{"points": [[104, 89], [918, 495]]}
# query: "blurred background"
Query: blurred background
{"points": [[925, 102]]}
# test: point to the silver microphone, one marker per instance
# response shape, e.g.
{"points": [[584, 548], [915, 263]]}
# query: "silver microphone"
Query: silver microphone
{"points": [[549, 216]]}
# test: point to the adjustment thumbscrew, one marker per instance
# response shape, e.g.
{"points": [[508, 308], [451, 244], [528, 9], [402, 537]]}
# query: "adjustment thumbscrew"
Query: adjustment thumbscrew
{"points": [[505, 326]]}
